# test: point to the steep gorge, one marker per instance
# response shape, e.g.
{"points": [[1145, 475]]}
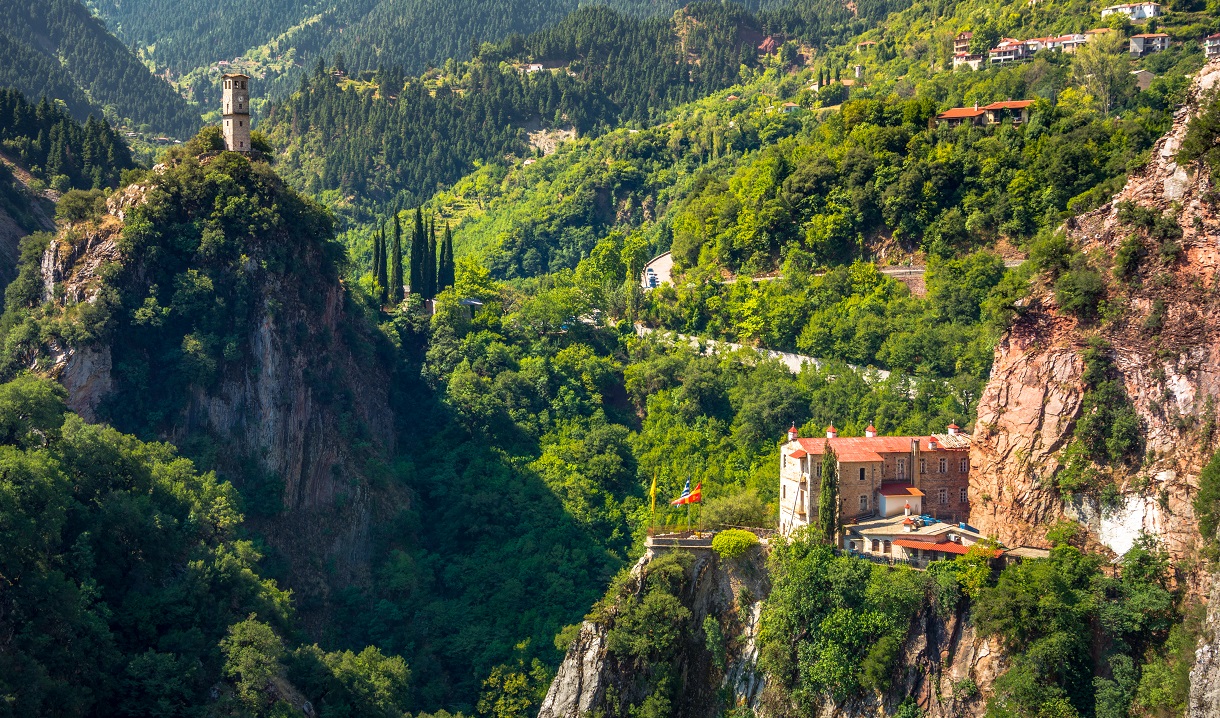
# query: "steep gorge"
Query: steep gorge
{"points": [[294, 408]]}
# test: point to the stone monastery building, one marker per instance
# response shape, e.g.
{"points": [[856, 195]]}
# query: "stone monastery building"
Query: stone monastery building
{"points": [[879, 476]]}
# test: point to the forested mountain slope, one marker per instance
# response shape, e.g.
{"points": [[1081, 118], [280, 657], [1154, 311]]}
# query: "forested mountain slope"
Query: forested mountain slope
{"points": [[57, 49], [395, 139], [43, 153], [406, 34]]}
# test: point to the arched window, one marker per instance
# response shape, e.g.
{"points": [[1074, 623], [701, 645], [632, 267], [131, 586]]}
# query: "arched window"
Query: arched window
{"points": [[863, 504], [876, 545]]}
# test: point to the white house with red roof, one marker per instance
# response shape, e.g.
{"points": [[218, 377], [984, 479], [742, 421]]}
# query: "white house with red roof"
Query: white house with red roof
{"points": [[1211, 46], [879, 476]]}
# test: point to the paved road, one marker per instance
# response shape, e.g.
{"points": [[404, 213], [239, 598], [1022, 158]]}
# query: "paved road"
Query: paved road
{"points": [[794, 362]]}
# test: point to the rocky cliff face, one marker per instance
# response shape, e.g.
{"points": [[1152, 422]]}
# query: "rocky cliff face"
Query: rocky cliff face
{"points": [[1030, 407], [944, 663], [304, 407], [730, 591]]}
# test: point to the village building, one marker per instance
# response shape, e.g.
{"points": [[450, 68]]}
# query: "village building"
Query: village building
{"points": [[1143, 79], [961, 43], [962, 115], [790, 107], [878, 476], [974, 62], [1148, 42], [909, 538], [1016, 111], [1135, 11], [1211, 46], [235, 113], [1009, 50]]}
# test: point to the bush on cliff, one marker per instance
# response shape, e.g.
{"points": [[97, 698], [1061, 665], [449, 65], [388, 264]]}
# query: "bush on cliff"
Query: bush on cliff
{"points": [[732, 543]]}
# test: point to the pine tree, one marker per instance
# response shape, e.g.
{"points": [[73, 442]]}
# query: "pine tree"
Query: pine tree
{"points": [[396, 264], [828, 495], [445, 271]]}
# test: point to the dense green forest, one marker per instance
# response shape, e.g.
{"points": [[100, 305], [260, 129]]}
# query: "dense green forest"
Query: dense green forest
{"points": [[403, 138], [129, 591], [56, 48], [56, 149]]}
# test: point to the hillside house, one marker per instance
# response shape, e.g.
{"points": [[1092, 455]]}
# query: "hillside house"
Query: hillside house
{"points": [[1136, 11], [1143, 79], [879, 476], [1009, 50], [961, 43], [962, 115], [974, 62], [1015, 110], [1211, 46], [1148, 43], [865, 45]]}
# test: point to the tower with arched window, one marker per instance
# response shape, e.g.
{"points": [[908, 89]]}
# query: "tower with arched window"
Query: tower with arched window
{"points": [[236, 112]]}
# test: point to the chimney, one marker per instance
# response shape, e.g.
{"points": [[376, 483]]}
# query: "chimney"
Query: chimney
{"points": [[907, 509], [953, 429], [871, 431], [931, 442], [831, 432], [793, 434]]}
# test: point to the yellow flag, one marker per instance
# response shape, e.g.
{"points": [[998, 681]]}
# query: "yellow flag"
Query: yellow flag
{"points": [[653, 493]]}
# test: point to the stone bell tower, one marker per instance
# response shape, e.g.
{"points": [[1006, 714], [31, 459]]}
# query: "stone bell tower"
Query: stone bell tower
{"points": [[236, 112]]}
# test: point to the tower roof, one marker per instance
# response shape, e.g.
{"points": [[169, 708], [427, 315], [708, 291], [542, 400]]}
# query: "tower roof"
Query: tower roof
{"points": [[236, 74]]}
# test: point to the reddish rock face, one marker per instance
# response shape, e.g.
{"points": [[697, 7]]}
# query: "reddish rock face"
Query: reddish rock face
{"points": [[1030, 407]]}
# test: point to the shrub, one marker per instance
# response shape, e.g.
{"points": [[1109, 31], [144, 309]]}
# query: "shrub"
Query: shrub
{"points": [[1207, 501], [1127, 260], [743, 509], [79, 205], [732, 543], [1079, 290]]}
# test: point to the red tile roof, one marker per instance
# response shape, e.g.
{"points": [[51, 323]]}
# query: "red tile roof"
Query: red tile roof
{"points": [[1009, 105], [960, 113], [947, 547], [876, 445], [899, 490]]}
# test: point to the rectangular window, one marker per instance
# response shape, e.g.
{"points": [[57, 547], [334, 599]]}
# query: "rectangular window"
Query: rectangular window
{"points": [[783, 492], [902, 469], [863, 504], [819, 471], [965, 496], [965, 465], [943, 495], [923, 466], [862, 473], [944, 465]]}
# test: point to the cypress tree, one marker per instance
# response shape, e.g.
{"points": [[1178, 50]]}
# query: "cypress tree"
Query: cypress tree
{"points": [[396, 263], [383, 281], [430, 265], [417, 253], [445, 272], [828, 495]]}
